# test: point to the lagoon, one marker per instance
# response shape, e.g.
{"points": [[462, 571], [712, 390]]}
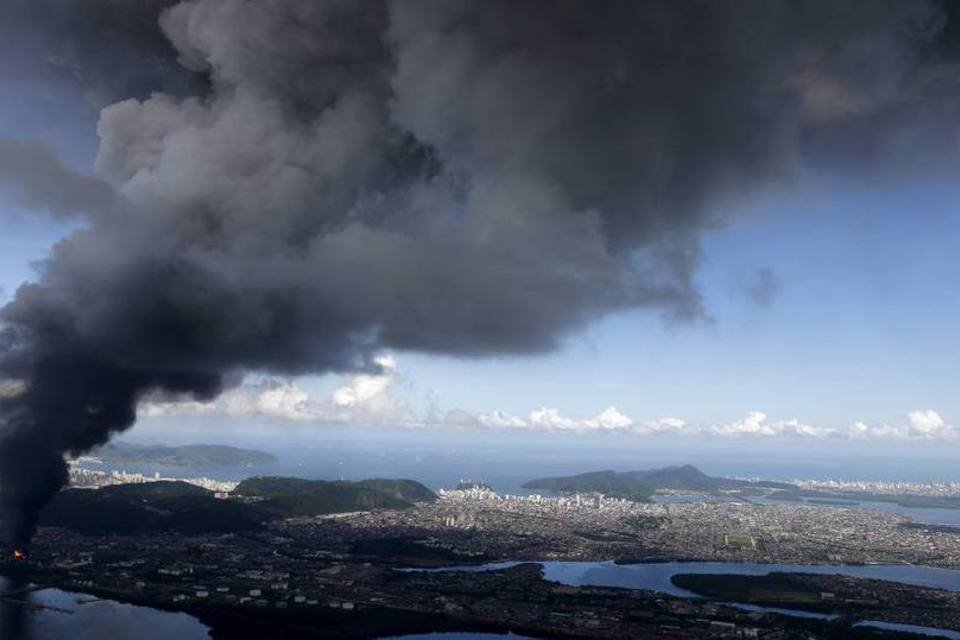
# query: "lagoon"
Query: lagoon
{"points": [[90, 619], [656, 576]]}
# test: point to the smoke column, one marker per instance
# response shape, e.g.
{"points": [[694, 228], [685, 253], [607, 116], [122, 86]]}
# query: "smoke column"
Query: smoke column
{"points": [[293, 186]]}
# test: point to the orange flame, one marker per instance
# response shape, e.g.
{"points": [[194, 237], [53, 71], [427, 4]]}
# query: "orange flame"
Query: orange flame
{"points": [[18, 555]]}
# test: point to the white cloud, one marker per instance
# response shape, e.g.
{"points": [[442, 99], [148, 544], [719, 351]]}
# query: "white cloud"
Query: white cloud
{"points": [[273, 399], [753, 424], [501, 420], [929, 424], [545, 418], [455, 418], [612, 420], [548, 419], [757, 423], [366, 388], [280, 399], [924, 424], [370, 398], [363, 398], [609, 420], [664, 425]]}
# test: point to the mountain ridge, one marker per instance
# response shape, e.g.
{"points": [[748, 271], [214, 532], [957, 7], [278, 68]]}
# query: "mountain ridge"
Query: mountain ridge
{"points": [[640, 485]]}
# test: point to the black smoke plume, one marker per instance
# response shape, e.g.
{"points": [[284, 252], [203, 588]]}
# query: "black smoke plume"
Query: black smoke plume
{"points": [[314, 181]]}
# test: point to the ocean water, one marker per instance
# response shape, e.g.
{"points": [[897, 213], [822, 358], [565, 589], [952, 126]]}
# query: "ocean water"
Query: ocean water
{"points": [[441, 457]]}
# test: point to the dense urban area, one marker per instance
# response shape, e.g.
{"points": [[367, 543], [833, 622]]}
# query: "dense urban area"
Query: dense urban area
{"points": [[379, 570]]}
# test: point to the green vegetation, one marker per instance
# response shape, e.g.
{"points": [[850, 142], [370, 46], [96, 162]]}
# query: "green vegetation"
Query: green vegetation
{"points": [[154, 490], [407, 490], [154, 507], [409, 551], [150, 508], [297, 497], [272, 486], [773, 590], [847, 597]]}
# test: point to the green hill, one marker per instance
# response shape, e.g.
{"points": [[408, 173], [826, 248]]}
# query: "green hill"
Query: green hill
{"points": [[271, 486], [685, 477], [297, 497], [150, 508], [158, 489], [640, 485], [610, 483], [408, 490], [92, 513], [163, 506], [199, 514]]}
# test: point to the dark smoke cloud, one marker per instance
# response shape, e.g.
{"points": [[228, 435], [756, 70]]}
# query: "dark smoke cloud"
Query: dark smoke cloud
{"points": [[35, 176], [106, 49], [467, 178]]}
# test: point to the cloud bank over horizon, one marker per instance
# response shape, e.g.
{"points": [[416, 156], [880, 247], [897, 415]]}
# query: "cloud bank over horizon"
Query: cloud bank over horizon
{"points": [[370, 400]]}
